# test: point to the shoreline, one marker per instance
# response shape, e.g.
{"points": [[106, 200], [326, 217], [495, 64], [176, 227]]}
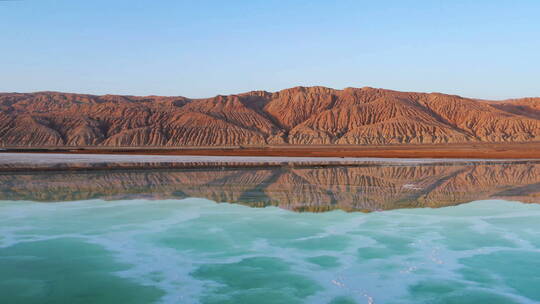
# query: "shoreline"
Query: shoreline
{"points": [[527, 150], [28, 162]]}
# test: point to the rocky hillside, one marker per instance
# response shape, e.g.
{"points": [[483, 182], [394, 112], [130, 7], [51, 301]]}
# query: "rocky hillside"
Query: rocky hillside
{"points": [[313, 115]]}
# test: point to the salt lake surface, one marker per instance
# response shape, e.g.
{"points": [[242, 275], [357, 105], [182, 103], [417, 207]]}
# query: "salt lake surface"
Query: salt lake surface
{"points": [[411, 233]]}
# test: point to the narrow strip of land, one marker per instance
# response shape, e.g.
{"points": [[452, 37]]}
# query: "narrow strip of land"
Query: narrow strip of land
{"points": [[74, 161], [529, 150]]}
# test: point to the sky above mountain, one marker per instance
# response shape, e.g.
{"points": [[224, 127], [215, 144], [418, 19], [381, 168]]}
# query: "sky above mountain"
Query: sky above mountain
{"points": [[483, 49]]}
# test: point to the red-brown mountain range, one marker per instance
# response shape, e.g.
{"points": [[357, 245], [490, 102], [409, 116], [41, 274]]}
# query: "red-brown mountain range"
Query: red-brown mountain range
{"points": [[300, 115]]}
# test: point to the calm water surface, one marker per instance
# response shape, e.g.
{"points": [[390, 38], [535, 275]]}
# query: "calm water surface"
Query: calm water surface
{"points": [[426, 234]]}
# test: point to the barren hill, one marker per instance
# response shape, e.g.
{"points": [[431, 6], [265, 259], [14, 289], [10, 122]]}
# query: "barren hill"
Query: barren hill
{"points": [[300, 115]]}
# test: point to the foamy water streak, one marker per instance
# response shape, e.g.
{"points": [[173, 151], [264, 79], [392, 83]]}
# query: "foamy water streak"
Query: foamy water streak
{"points": [[196, 251]]}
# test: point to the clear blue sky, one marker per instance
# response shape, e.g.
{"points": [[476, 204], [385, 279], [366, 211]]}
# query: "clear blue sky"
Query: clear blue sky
{"points": [[482, 48]]}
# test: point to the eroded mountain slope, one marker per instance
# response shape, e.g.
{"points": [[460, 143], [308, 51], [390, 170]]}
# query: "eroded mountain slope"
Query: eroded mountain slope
{"points": [[313, 115]]}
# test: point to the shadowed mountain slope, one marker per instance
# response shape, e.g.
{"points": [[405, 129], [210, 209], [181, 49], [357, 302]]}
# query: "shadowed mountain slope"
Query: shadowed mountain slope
{"points": [[301, 115]]}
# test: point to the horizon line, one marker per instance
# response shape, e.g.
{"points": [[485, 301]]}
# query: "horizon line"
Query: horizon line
{"points": [[270, 92]]}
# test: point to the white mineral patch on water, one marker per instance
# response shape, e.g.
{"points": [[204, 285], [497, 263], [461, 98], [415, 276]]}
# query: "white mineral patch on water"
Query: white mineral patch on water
{"points": [[175, 245]]}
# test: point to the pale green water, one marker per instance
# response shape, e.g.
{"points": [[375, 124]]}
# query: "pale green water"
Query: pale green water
{"points": [[193, 250]]}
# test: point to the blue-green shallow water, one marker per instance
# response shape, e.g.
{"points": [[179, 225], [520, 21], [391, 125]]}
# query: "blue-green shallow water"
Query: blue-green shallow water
{"points": [[196, 251]]}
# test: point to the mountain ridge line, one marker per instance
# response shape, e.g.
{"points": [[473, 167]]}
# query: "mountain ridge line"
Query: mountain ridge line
{"points": [[295, 116]]}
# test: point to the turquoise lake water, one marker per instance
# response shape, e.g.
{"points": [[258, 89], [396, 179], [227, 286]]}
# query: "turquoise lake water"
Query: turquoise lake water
{"points": [[132, 248]]}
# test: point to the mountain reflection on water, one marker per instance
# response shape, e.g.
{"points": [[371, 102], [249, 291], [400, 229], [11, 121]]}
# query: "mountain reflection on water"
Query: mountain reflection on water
{"points": [[351, 188], [155, 236]]}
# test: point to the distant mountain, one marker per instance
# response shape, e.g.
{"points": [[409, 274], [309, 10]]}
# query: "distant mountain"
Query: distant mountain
{"points": [[300, 115]]}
